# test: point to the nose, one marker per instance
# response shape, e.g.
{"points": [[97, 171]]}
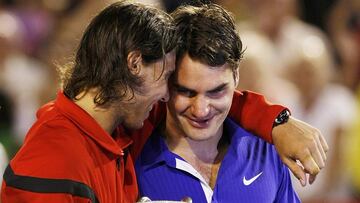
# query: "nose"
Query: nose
{"points": [[200, 107]]}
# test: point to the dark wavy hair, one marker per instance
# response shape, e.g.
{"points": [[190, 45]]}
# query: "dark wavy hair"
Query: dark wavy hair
{"points": [[207, 32], [101, 59]]}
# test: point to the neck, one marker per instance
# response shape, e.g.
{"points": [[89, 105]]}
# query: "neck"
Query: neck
{"points": [[204, 155], [105, 117]]}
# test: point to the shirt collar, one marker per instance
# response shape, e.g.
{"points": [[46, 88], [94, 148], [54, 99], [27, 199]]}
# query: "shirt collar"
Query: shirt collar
{"points": [[90, 127], [158, 153]]}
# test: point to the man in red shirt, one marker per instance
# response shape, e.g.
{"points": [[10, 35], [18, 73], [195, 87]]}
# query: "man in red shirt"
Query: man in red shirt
{"points": [[77, 150]]}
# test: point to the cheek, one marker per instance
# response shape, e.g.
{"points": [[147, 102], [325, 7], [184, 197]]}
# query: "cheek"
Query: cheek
{"points": [[162, 84], [178, 104], [224, 103], [157, 91]]}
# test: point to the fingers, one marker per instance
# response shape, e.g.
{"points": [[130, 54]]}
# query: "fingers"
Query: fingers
{"points": [[317, 156], [297, 170], [310, 164], [187, 200], [323, 142], [321, 151], [312, 179]]}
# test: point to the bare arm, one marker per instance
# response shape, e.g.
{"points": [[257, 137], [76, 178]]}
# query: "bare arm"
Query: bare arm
{"points": [[297, 140]]}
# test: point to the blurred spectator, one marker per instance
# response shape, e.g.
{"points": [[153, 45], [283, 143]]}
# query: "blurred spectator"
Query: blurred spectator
{"points": [[6, 121], [344, 30], [171, 5], [5, 132], [3, 160], [153, 3], [256, 72], [278, 21], [329, 107], [22, 77], [316, 12], [353, 151], [289, 45], [35, 25], [68, 31]]}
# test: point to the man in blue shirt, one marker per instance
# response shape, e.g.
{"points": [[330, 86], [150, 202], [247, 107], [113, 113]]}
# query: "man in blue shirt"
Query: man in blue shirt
{"points": [[199, 152]]}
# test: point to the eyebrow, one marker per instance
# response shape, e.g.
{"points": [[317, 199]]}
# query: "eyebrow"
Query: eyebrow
{"points": [[218, 88], [214, 90]]}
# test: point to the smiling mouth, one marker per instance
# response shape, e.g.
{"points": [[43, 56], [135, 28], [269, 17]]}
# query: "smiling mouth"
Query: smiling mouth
{"points": [[199, 123]]}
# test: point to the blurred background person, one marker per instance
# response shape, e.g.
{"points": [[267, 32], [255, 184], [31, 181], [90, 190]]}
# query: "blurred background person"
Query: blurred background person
{"points": [[331, 108], [257, 73], [23, 75], [352, 154]]}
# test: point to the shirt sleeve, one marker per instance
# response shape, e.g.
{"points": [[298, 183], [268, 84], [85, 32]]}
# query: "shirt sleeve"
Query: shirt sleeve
{"points": [[254, 113]]}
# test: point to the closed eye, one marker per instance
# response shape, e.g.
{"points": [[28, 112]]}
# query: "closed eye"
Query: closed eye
{"points": [[218, 91], [184, 91]]}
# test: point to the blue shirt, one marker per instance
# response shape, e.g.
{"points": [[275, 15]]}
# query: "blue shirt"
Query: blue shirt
{"points": [[251, 171]]}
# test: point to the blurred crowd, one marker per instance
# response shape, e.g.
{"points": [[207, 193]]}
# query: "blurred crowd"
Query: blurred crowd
{"points": [[301, 53]]}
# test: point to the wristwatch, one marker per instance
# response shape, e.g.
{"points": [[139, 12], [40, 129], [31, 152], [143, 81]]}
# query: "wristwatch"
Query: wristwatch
{"points": [[282, 118]]}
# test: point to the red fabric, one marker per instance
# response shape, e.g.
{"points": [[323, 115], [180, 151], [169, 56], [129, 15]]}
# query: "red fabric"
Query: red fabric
{"points": [[254, 113], [14, 195], [67, 143]]}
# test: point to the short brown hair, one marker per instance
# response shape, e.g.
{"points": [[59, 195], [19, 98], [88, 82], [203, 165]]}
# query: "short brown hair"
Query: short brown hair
{"points": [[207, 33]]}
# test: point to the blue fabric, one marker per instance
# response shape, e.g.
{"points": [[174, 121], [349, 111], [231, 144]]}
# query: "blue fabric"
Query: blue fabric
{"points": [[247, 156]]}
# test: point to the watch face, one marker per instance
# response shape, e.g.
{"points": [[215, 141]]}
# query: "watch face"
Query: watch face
{"points": [[283, 117]]}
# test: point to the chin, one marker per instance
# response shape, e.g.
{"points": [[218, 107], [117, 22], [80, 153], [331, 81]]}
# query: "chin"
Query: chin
{"points": [[198, 136], [199, 139]]}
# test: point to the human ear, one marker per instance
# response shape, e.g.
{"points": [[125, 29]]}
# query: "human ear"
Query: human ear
{"points": [[134, 62]]}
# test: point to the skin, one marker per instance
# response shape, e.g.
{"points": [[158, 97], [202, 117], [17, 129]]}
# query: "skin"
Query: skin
{"points": [[200, 100], [154, 89], [134, 109], [311, 151]]}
